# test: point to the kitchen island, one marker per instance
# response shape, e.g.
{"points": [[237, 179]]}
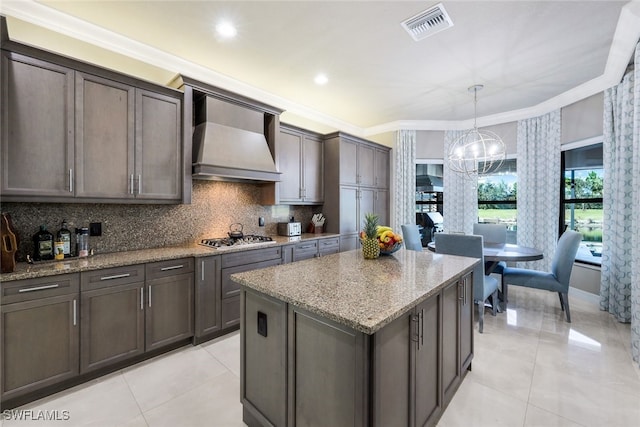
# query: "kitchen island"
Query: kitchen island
{"points": [[344, 341]]}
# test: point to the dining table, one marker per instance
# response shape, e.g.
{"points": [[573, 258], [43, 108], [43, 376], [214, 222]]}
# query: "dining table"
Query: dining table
{"points": [[495, 252]]}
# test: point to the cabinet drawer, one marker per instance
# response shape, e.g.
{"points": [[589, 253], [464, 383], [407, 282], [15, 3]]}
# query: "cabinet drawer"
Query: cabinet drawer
{"points": [[231, 288], [329, 246], [249, 257], [111, 277], [305, 250], [41, 287], [156, 270], [230, 311]]}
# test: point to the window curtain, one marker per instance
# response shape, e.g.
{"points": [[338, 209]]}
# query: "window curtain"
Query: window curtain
{"points": [[405, 179], [620, 278], [538, 150], [460, 194]]}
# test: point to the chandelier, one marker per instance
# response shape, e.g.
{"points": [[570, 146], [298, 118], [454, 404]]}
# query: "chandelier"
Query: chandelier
{"points": [[476, 152]]}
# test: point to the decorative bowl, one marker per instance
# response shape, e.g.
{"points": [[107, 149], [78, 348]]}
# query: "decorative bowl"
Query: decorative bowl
{"points": [[391, 250]]}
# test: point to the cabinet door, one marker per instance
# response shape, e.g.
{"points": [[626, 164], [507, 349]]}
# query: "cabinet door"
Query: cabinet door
{"points": [[105, 125], [349, 221], [450, 340], [466, 322], [426, 354], [381, 204], [348, 162], [37, 128], [366, 204], [207, 295], [112, 325], [382, 168], [313, 170], [289, 163], [158, 156], [169, 312], [40, 343], [366, 165]]}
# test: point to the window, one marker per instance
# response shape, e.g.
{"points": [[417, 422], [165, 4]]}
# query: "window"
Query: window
{"points": [[497, 196], [581, 199]]}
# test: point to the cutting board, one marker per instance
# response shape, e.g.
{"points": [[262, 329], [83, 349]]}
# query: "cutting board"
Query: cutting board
{"points": [[9, 244]]}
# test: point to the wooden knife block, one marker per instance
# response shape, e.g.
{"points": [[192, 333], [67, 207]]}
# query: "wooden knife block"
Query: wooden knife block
{"points": [[9, 245]]}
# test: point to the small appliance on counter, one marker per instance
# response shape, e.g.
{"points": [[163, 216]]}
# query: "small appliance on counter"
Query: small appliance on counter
{"points": [[290, 228]]}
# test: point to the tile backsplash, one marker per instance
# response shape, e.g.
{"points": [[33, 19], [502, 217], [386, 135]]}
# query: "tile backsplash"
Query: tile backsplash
{"points": [[214, 207]]}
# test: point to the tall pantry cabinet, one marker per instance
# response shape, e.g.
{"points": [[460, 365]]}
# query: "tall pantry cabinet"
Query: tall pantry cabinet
{"points": [[357, 177]]}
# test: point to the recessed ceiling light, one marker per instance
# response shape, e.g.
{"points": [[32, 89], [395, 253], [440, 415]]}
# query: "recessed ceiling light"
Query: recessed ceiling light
{"points": [[321, 79], [226, 30]]}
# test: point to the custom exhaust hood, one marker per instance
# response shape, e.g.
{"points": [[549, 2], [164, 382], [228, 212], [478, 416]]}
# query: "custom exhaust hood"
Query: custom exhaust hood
{"points": [[229, 143]]}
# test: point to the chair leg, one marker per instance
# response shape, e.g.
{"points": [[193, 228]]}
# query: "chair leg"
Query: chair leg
{"points": [[561, 301], [494, 303], [480, 315], [564, 297], [505, 291]]}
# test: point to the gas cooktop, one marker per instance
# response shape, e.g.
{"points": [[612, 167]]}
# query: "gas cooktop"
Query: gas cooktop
{"points": [[232, 242]]}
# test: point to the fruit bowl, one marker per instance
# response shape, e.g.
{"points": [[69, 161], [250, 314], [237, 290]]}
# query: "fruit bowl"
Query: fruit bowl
{"points": [[392, 249]]}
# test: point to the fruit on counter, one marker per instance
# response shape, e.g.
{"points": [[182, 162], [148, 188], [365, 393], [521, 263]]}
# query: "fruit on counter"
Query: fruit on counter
{"points": [[387, 239]]}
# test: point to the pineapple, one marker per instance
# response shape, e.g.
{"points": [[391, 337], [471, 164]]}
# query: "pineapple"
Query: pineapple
{"points": [[370, 246]]}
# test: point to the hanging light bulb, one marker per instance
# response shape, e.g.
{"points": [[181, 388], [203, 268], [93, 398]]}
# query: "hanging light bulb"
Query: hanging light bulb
{"points": [[476, 152]]}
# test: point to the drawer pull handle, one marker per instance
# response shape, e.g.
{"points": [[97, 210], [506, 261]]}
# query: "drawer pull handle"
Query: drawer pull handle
{"points": [[115, 276], [141, 298], [75, 312], [173, 267], [39, 288], [306, 246]]}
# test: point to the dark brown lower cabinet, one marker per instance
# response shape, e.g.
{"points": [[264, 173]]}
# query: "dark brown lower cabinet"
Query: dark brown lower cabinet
{"points": [[207, 302], [169, 305], [112, 316], [239, 262], [405, 374], [40, 333]]}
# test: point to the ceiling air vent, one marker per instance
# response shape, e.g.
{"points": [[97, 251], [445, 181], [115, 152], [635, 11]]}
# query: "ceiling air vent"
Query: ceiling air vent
{"points": [[427, 23]]}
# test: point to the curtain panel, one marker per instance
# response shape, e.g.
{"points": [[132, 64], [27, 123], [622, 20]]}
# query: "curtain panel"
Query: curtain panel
{"points": [[460, 194], [620, 271], [538, 150], [405, 179]]}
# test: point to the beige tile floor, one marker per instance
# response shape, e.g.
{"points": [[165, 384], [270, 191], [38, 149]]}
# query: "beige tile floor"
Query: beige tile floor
{"points": [[530, 369]]}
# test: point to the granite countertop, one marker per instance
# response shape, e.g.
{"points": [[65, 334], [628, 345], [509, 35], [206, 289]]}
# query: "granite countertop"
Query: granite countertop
{"points": [[118, 259], [362, 294]]}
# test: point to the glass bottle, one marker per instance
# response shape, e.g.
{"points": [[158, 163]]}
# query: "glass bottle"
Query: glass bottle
{"points": [[83, 242], [43, 244], [64, 236]]}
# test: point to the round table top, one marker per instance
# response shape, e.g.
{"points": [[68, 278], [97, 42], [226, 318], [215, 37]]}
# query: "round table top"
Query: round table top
{"points": [[504, 252]]}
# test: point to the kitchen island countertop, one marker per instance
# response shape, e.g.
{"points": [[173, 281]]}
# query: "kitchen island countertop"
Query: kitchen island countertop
{"points": [[359, 293], [24, 270]]}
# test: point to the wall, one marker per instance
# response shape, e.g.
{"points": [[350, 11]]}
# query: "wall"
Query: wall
{"points": [[583, 119], [215, 206]]}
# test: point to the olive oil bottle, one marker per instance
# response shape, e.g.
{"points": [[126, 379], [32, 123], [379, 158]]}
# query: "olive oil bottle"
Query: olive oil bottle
{"points": [[43, 244], [64, 236]]}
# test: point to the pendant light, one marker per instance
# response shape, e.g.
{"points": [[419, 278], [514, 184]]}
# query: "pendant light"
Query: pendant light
{"points": [[476, 152]]}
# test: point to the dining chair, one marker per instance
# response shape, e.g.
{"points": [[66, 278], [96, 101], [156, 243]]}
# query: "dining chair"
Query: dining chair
{"points": [[483, 286], [555, 281], [492, 233], [411, 237]]}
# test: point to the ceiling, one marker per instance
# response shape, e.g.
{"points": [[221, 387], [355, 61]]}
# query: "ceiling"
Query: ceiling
{"points": [[531, 56]]}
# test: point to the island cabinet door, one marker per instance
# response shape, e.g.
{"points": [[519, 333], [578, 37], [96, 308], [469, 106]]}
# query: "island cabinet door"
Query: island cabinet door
{"points": [[393, 370], [425, 337], [466, 322], [263, 363], [451, 295], [328, 372]]}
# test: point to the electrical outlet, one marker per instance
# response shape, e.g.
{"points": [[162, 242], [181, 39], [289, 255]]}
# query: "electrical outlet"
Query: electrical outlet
{"points": [[261, 221], [95, 229]]}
